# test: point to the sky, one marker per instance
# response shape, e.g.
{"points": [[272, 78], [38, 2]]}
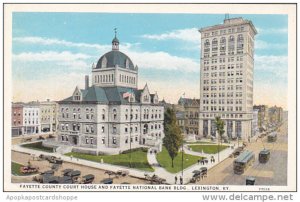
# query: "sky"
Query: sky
{"points": [[52, 52]]}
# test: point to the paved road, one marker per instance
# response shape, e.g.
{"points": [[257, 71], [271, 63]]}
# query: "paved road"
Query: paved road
{"points": [[272, 173]]}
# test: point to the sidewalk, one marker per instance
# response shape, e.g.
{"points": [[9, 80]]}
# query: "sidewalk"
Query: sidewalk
{"points": [[159, 171]]}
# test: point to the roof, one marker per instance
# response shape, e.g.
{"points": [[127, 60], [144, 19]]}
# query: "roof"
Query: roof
{"points": [[115, 40], [228, 23], [244, 157], [105, 95], [264, 151], [189, 101], [115, 58]]}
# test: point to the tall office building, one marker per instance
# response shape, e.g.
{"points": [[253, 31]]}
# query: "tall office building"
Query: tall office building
{"points": [[226, 86]]}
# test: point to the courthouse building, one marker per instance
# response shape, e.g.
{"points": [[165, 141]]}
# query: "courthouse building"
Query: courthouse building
{"points": [[226, 77], [112, 115]]}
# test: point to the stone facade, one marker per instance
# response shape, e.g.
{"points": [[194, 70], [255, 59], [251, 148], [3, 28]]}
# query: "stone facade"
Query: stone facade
{"points": [[112, 114], [226, 77]]}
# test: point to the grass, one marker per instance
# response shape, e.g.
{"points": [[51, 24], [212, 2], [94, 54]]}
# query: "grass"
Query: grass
{"points": [[165, 161], [15, 170], [208, 149], [139, 159], [200, 142], [38, 146]]}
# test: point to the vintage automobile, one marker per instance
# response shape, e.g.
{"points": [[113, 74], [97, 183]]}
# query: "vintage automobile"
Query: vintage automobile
{"points": [[87, 179], [106, 181], [250, 181], [29, 169]]}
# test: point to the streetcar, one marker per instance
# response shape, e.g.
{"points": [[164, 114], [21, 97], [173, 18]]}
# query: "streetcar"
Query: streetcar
{"points": [[264, 156], [272, 137], [243, 161]]}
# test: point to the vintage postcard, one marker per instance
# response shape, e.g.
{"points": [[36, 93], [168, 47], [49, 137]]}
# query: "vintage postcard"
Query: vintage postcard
{"points": [[149, 97]]}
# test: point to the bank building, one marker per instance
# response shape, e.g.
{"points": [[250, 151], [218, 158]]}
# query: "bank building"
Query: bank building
{"points": [[112, 115], [226, 77]]}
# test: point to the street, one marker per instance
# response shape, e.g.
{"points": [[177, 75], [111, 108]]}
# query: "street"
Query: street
{"points": [[273, 173]]}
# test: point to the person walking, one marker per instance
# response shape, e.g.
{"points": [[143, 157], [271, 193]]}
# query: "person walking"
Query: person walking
{"points": [[181, 180], [175, 179]]}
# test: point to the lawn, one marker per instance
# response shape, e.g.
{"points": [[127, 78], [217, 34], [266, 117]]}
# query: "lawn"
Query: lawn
{"points": [[15, 169], [139, 159], [37, 146], [165, 161], [208, 149], [199, 142]]}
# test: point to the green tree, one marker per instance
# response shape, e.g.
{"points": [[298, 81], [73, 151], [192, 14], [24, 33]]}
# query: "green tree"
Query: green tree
{"points": [[173, 138], [220, 127], [221, 131]]}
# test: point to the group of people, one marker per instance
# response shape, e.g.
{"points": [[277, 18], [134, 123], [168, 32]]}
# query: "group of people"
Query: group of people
{"points": [[180, 179]]}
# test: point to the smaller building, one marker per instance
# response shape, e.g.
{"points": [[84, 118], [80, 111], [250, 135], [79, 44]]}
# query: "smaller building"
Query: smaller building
{"points": [[275, 115], [17, 119], [255, 128], [190, 108], [180, 116], [48, 116], [31, 118], [263, 116]]}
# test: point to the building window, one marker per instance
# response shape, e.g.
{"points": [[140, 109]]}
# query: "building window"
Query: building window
{"points": [[114, 140], [114, 114]]}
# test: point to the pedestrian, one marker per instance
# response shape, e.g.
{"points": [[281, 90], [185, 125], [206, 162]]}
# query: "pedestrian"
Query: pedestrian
{"points": [[198, 161], [101, 160], [175, 179], [71, 157], [181, 180]]}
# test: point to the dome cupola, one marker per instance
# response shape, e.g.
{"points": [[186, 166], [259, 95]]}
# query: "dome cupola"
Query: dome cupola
{"points": [[115, 42]]}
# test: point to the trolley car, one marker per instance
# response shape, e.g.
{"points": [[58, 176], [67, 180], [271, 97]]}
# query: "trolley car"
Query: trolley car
{"points": [[243, 161], [264, 156]]}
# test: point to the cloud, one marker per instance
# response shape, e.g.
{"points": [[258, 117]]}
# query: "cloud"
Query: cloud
{"points": [[163, 60], [190, 35], [259, 44], [53, 41], [144, 59], [277, 66], [281, 30], [55, 88], [50, 56]]}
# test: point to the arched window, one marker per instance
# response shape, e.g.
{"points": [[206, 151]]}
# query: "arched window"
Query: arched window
{"points": [[114, 114], [223, 40], [103, 114], [214, 42], [104, 62], [207, 43]]}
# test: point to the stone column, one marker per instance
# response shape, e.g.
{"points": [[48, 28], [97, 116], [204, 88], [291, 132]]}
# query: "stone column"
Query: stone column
{"points": [[209, 126], [233, 129]]}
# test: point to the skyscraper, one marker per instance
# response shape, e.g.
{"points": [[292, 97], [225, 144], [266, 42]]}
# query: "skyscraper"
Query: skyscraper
{"points": [[226, 77]]}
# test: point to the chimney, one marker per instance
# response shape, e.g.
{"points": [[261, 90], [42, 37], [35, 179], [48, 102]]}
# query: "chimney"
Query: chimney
{"points": [[86, 82]]}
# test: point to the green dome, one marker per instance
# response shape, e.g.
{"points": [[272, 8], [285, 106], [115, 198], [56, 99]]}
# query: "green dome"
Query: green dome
{"points": [[115, 58]]}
